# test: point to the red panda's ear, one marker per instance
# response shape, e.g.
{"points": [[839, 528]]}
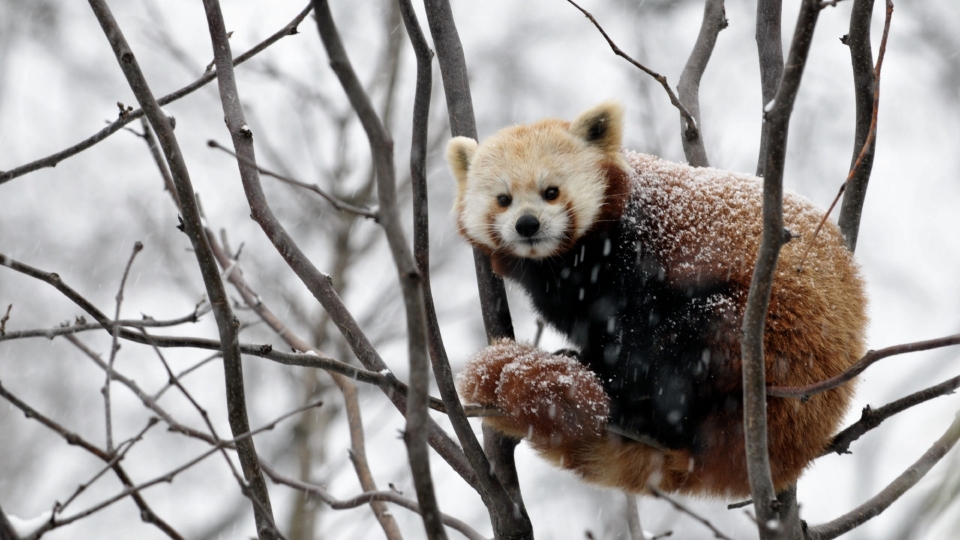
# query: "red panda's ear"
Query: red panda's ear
{"points": [[601, 126], [460, 151]]}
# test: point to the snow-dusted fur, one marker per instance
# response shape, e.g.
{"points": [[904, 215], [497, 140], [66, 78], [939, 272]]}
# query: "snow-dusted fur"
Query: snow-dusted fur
{"points": [[645, 266]]}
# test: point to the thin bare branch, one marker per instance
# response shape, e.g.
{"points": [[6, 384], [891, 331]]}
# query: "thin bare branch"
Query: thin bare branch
{"points": [[680, 507], [851, 221], [777, 115], [3, 321], [146, 513], [366, 498], [129, 116], [691, 131], [114, 347], [335, 202], [227, 324], [688, 87], [634, 528], [871, 418], [804, 392], [77, 327], [892, 492]]}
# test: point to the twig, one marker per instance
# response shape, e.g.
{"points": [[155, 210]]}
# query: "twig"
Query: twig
{"points": [[122, 450], [692, 130], [3, 321], [680, 507], [754, 318], [186, 372], [146, 513], [688, 87], [191, 220], [892, 492], [804, 392], [335, 202], [134, 490], [125, 118], [365, 498], [871, 418], [114, 347], [78, 327], [851, 222]]}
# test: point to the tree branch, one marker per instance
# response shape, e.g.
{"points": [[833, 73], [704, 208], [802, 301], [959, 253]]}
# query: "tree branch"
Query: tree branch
{"points": [[714, 20], [381, 146], [804, 392], [871, 418], [227, 324], [864, 84], [754, 385], [770, 52], [691, 131], [892, 492], [368, 497], [129, 116]]}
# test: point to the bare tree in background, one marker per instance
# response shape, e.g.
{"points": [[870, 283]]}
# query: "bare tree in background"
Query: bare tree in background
{"points": [[334, 280]]}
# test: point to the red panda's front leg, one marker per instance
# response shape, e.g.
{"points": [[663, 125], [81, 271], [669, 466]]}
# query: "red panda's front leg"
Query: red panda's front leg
{"points": [[550, 399]]}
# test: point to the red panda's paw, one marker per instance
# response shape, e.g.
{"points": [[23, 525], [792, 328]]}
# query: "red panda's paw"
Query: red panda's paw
{"points": [[555, 398], [480, 378]]}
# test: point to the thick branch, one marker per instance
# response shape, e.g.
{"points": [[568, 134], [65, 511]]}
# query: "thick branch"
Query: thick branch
{"points": [[864, 82], [754, 384], [381, 146], [892, 492], [714, 20], [227, 324], [456, 88], [129, 116], [770, 49]]}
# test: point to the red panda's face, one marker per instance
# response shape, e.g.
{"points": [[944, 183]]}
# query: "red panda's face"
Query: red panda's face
{"points": [[533, 191]]}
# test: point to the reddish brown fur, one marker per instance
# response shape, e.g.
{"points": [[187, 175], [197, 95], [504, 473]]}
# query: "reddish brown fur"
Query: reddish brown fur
{"points": [[705, 226]]}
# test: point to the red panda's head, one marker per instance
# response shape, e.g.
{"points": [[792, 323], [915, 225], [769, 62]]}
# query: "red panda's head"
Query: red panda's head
{"points": [[533, 190]]}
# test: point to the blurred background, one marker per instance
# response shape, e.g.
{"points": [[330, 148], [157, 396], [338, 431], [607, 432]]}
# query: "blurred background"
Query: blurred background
{"points": [[59, 83]]}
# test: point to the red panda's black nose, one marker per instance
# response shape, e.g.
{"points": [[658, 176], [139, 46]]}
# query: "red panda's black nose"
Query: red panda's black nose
{"points": [[528, 225]]}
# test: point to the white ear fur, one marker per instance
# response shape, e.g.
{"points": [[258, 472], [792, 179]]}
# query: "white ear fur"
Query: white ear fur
{"points": [[601, 126], [460, 151]]}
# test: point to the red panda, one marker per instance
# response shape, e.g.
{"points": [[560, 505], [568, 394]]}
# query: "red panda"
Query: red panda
{"points": [[644, 265]]}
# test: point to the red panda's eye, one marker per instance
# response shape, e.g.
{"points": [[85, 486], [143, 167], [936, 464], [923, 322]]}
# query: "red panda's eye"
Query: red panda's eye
{"points": [[504, 200], [551, 193]]}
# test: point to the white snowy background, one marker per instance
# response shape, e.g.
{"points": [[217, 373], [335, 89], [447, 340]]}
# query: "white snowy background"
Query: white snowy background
{"points": [[59, 83]]}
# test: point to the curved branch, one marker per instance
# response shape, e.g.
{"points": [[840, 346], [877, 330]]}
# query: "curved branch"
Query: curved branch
{"points": [[692, 130], [804, 392], [714, 20], [366, 498], [892, 492]]}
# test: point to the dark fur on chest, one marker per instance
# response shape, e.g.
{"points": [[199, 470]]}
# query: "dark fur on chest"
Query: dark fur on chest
{"points": [[649, 341]]}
